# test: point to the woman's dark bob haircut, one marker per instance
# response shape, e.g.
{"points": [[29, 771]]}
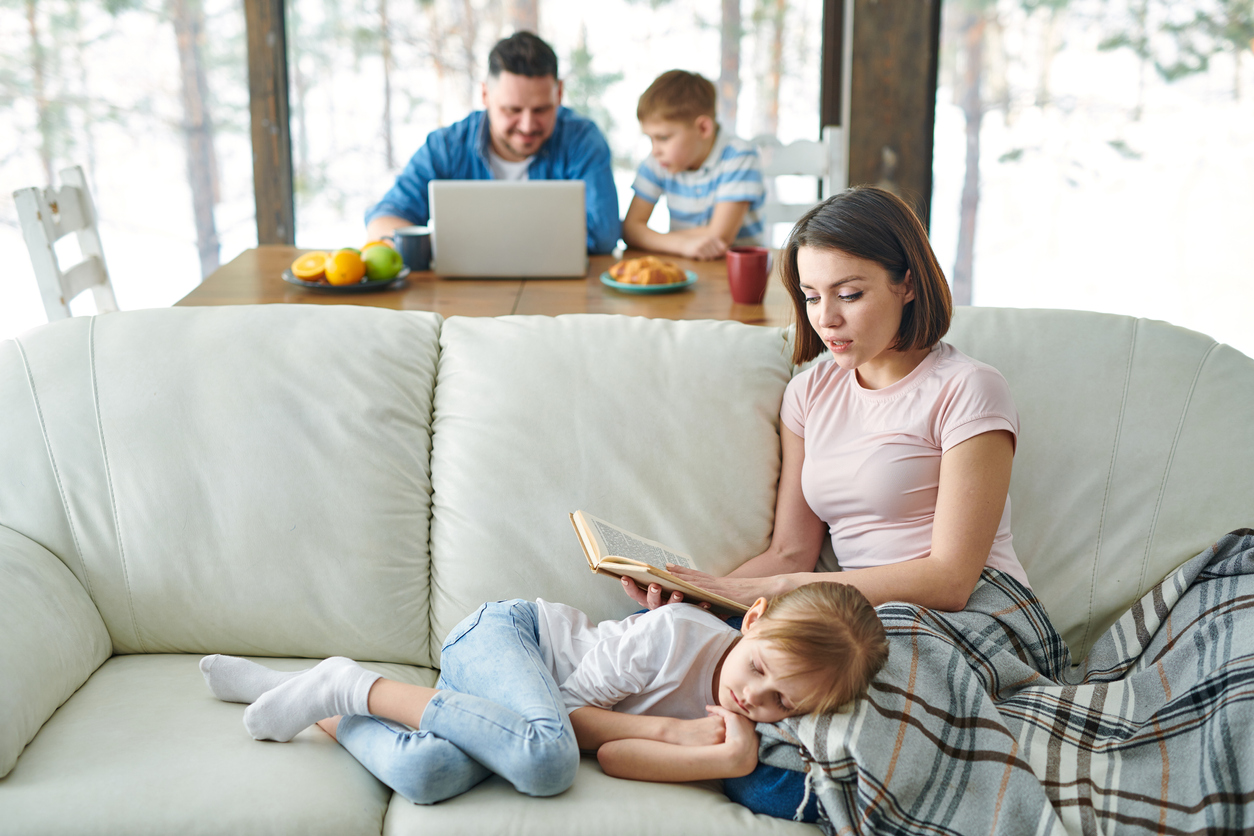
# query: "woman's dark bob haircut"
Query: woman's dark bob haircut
{"points": [[871, 223]]}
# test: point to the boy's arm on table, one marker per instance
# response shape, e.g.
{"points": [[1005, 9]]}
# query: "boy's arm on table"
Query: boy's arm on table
{"points": [[651, 759], [701, 242]]}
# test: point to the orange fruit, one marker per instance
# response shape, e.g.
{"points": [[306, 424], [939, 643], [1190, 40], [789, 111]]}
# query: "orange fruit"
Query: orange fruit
{"points": [[310, 267], [345, 267]]}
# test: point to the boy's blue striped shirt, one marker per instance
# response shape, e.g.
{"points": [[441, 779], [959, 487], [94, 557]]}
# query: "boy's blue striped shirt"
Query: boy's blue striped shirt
{"points": [[730, 173]]}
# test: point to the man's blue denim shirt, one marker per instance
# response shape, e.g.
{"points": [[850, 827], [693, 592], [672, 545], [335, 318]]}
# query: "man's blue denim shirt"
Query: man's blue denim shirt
{"points": [[575, 151]]}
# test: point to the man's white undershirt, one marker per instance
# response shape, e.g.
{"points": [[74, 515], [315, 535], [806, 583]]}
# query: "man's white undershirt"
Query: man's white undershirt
{"points": [[503, 169]]}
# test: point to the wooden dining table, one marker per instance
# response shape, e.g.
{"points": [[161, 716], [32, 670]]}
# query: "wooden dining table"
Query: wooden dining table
{"points": [[255, 276]]}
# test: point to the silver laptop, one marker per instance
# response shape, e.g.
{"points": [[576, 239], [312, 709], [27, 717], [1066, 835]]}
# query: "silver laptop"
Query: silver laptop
{"points": [[508, 229]]}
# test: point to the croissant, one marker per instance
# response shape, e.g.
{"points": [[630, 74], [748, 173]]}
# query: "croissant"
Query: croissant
{"points": [[646, 270]]}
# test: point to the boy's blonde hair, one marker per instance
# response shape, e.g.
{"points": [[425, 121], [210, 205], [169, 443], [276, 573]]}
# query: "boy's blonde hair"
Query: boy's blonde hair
{"points": [[828, 627], [677, 96]]}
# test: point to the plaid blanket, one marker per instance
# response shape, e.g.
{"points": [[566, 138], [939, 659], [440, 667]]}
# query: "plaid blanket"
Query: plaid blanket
{"points": [[979, 723]]}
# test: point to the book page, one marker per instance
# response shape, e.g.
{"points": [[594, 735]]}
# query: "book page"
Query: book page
{"points": [[621, 544]]}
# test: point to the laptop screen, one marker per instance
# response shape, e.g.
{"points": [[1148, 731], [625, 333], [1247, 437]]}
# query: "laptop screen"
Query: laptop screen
{"points": [[508, 229]]}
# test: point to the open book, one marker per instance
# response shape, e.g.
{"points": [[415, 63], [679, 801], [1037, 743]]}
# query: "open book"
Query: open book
{"points": [[619, 553]]}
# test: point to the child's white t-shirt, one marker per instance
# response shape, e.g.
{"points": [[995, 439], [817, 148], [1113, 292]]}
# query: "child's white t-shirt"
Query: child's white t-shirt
{"points": [[660, 662], [872, 456]]}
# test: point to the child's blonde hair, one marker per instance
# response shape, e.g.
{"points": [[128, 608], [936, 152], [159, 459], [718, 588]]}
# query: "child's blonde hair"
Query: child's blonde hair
{"points": [[828, 627], [677, 96]]}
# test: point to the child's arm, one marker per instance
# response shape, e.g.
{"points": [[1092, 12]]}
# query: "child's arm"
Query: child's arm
{"points": [[595, 727], [652, 760], [701, 242]]}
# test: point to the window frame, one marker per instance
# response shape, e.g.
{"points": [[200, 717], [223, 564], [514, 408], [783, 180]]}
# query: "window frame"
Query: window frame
{"points": [[891, 72]]}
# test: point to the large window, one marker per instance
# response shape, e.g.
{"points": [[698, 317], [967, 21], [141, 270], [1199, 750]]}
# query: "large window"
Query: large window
{"points": [[369, 82], [1096, 154], [152, 101]]}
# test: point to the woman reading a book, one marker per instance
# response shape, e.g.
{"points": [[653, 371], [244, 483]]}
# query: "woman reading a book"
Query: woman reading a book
{"points": [[896, 446], [524, 685]]}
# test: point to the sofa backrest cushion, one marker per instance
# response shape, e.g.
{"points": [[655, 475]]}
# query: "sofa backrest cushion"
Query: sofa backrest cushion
{"points": [[53, 640], [247, 480], [665, 428], [1136, 452]]}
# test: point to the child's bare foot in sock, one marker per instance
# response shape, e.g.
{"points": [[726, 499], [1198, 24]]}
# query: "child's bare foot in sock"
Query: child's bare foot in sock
{"points": [[333, 687], [233, 679]]}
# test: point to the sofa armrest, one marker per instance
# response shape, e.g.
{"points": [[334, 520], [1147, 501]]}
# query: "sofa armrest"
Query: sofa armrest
{"points": [[53, 639]]}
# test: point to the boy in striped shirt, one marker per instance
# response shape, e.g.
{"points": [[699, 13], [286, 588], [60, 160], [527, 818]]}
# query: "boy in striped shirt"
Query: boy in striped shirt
{"points": [[712, 179]]}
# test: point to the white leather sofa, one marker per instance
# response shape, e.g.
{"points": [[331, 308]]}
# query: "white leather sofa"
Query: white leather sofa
{"points": [[296, 482]]}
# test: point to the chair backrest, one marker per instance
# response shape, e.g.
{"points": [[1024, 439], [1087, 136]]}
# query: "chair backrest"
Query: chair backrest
{"points": [[823, 160], [47, 216]]}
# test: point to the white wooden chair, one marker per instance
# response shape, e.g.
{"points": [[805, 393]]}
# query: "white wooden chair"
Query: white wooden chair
{"points": [[823, 159], [47, 216]]}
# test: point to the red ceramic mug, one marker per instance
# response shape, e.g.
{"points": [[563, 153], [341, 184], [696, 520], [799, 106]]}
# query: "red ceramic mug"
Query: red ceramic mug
{"points": [[747, 270]]}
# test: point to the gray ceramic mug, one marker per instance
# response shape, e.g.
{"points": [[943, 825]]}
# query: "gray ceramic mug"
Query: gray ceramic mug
{"points": [[414, 245]]}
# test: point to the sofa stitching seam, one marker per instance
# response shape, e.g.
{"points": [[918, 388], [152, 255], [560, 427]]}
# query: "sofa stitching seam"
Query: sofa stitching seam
{"points": [[432, 654], [1110, 475], [1171, 456], [113, 505], [56, 471]]}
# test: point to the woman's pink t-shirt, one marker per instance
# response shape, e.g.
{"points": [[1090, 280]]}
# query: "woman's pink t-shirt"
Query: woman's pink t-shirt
{"points": [[872, 456]]}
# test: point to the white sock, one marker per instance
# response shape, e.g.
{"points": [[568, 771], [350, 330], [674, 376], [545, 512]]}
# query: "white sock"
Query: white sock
{"points": [[233, 679], [334, 687]]}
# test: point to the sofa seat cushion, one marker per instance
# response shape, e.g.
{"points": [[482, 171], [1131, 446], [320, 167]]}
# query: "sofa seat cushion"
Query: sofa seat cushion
{"points": [[143, 747], [595, 804]]}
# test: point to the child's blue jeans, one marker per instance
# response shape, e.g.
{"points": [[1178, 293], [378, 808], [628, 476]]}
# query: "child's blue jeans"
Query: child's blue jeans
{"points": [[498, 711]]}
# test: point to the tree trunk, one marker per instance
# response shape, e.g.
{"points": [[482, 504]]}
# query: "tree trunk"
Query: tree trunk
{"points": [[469, 31], [1142, 51], [385, 38], [973, 109], [436, 39], [774, 70], [297, 110], [188, 19], [86, 107], [729, 66], [523, 15], [42, 113], [1049, 48]]}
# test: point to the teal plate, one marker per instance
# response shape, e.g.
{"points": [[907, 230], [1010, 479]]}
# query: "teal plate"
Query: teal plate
{"points": [[649, 288]]}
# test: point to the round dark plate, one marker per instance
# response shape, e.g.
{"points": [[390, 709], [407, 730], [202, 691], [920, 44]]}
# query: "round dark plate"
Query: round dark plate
{"points": [[361, 287]]}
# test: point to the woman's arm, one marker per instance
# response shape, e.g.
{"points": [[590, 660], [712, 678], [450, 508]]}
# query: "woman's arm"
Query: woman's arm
{"points": [[974, 481], [652, 760]]}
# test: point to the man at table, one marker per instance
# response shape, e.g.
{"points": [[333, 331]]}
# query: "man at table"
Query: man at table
{"points": [[522, 133]]}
